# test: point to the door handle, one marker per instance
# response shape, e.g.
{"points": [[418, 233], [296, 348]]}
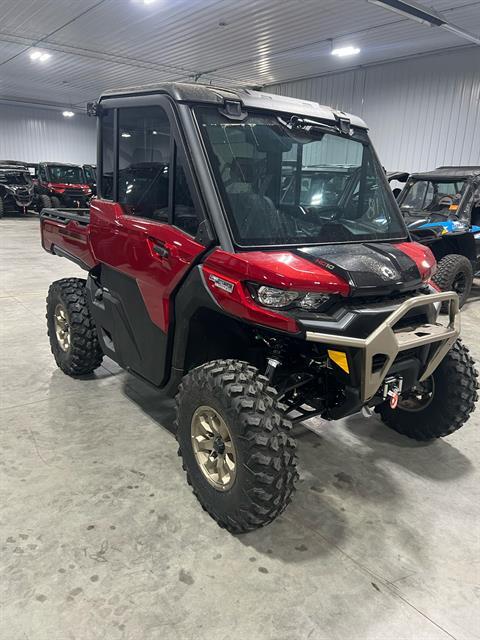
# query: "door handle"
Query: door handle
{"points": [[160, 249]]}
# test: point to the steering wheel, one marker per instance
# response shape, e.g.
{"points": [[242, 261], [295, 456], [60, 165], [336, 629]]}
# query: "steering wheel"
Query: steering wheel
{"points": [[445, 201]]}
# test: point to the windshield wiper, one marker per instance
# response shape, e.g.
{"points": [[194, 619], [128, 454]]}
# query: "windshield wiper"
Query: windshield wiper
{"points": [[296, 123]]}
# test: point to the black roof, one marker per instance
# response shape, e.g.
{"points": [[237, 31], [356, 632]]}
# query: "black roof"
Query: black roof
{"points": [[210, 94], [61, 164], [7, 166], [16, 163], [443, 173]]}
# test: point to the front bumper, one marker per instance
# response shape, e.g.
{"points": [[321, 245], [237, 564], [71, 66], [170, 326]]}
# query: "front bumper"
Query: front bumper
{"points": [[387, 342]]}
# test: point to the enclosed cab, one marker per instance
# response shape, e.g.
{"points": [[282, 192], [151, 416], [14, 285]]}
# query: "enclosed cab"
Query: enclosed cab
{"points": [[61, 185], [246, 254], [16, 189]]}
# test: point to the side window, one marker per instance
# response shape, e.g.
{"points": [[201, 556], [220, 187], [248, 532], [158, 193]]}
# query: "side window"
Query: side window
{"points": [[42, 174], [107, 155], [185, 216], [144, 162]]}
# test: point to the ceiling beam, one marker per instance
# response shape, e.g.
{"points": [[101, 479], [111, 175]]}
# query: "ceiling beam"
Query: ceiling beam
{"points": [[425, 15]]}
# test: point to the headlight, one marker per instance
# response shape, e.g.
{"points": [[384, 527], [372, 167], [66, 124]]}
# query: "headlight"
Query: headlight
{"points": [[286, 298]]}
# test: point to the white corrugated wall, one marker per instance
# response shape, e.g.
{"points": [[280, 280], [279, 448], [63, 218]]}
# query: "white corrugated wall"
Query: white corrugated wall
{"points": [[422, 113], [33, 134]]}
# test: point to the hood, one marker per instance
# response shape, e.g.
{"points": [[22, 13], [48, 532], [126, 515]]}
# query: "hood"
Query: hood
{"points": [[375, 268], [69, 185]]}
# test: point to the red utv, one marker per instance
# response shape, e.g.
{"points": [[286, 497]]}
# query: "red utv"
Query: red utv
{"points": [[61, 185], [221, 268]]}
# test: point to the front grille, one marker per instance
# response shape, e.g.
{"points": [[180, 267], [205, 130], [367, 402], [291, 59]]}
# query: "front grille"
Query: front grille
{"points": [[366, 302], [74, 193]]}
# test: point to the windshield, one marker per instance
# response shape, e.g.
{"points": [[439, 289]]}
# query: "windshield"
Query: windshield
{"points": [[432, 196], [14, 177], [309, 186], [65, 174]]}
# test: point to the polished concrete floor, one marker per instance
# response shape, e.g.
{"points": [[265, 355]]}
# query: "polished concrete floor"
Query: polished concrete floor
{"points": [[102, 539]]}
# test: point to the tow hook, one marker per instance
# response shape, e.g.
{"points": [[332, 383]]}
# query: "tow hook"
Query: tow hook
{"points": [[392, 388]]}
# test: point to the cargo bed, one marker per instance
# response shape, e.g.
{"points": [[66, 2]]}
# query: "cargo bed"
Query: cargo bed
{"points": [[65, 232]]}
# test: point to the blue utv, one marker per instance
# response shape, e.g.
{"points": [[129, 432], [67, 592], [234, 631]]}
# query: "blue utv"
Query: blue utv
{"points": [[442, 210]]}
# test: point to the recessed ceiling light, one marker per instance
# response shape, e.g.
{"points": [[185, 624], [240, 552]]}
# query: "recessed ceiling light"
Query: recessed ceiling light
{"points": [[40, 56], [342, 52], [126, 135], [67, 114]]}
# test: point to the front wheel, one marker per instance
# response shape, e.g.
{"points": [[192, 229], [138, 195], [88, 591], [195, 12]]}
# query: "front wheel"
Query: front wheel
{"points": [[234, 443], [440, 405]]}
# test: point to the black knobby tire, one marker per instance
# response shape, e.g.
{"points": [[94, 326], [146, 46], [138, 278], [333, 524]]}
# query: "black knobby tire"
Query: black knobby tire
{"points": [[44, 202], [266, 466], [84, 354], [55, 202], [455, 273], [1, 207], [454, 389]]}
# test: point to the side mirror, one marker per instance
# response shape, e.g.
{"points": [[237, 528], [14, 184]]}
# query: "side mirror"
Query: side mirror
{"points": [[205, 234]]}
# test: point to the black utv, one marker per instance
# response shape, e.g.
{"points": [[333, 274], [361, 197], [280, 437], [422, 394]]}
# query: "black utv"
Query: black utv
{"points": [[16, 189]]}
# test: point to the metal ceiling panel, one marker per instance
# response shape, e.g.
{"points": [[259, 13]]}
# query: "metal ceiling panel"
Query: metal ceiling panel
{"points": [[100, 44], [7, 50], [35, 19]]}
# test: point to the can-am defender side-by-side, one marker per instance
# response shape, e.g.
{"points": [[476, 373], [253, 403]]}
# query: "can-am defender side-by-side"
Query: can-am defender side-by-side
{"points": [[61, 185], [16, 189], [442, 210], [209, 278]]}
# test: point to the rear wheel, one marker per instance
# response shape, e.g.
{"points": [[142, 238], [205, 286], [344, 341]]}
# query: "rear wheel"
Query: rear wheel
{"points": [[455, 273], [72, 333], [234, 443], [440, 405], [1, 207]]}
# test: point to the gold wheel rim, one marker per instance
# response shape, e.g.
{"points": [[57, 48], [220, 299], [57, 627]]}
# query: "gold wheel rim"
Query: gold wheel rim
{"points": [[213, 448], [62, 327]]}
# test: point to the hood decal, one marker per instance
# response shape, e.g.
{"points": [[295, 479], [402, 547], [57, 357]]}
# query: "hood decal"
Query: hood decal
{"points": [[373, 268]]}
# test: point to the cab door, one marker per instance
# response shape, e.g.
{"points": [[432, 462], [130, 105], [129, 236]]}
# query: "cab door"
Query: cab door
{"points": [[142, 235]]}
